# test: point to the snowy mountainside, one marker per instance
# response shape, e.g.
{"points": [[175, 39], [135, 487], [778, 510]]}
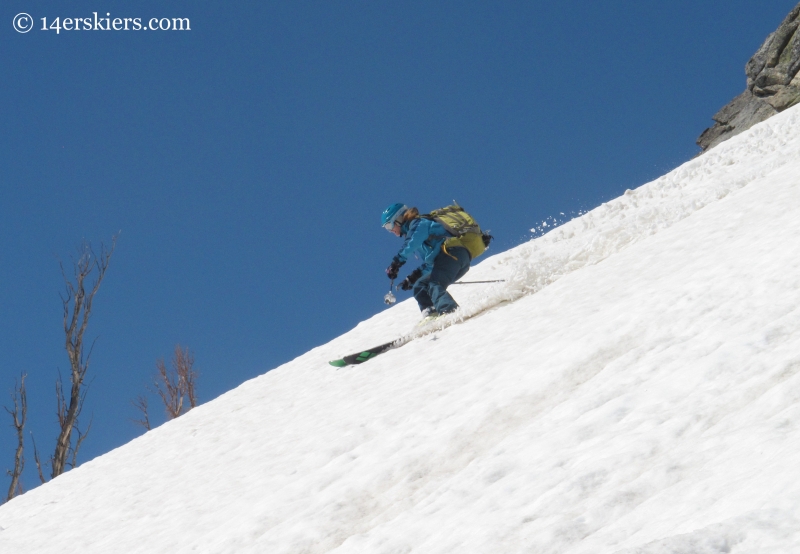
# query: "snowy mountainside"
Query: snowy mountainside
{"points": [[640, 393]]}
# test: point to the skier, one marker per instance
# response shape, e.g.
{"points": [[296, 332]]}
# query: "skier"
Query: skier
{"points": [[441, 266]]}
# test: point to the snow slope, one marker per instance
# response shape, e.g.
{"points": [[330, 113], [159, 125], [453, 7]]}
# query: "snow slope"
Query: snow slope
{"points": [[640, 393]]}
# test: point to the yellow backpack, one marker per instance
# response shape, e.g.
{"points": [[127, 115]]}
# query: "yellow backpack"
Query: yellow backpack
{"points": [[464, 229]]}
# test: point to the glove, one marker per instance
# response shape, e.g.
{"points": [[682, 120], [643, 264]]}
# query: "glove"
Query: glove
{"points": [[409, 281], [394, 268]]}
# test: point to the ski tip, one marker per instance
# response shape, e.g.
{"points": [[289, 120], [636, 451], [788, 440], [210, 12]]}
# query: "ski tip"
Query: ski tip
{"points": [[338, 363]]}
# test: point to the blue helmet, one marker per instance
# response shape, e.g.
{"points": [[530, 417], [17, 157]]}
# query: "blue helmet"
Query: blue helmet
{"points": [[392, 214]]}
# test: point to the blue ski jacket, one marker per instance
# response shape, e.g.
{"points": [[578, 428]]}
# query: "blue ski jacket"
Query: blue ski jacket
{"points": [[425, 236]]}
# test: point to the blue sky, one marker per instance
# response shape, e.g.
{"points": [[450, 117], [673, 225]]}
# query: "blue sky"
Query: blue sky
{"points": [[246, 162]]}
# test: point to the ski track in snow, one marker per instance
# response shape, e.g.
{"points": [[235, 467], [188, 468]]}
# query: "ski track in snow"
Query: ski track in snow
{"points": [[638, 214], [645, 400]]}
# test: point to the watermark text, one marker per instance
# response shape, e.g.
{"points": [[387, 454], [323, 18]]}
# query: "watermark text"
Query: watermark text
{"points": [[24, 23]]}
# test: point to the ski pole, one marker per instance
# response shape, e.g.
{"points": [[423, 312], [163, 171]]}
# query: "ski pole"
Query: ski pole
{"points": [[479, 282], [390, 298]]}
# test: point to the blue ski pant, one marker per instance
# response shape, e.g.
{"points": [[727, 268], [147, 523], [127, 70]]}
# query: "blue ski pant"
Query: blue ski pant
{"points": [[448, 267]]}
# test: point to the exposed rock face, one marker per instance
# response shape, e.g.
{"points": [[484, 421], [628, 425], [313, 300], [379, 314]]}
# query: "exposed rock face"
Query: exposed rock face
{"points": [[773, 84]]}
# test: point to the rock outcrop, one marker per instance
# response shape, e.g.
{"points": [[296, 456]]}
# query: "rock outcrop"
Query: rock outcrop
{"points": [[773, 84]]}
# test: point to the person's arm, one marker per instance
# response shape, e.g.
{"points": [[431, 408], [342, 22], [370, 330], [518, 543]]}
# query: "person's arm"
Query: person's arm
{"points": [[418, 232]]}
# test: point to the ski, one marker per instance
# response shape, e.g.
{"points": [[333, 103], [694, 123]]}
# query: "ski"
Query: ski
{"points": [[364, 355]]}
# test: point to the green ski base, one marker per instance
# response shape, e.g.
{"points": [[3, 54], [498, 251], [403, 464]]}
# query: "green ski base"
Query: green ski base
{"points": [[361, 357]]}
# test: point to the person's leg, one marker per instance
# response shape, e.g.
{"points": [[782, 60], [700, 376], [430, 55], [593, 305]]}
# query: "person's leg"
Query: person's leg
{"points": [[464, 269], [420, 291], [447, 268]]}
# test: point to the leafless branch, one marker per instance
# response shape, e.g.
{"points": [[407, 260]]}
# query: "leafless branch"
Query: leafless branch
{"points": [[61, 403], [81, 437], [183, 362], [141, 404], [167, 387], [38, 461], [19, 415]]}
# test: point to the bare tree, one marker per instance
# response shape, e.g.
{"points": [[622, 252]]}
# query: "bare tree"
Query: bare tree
{"points": [[77, 310], [177, 384], [174, 385], [19, 415]]}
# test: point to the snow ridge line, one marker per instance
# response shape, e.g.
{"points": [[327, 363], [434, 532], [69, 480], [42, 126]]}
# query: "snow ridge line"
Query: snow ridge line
{"points": [[637, 214]]}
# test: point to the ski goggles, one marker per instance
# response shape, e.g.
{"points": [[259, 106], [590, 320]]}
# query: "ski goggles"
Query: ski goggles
{"points": [[389, 226]]}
